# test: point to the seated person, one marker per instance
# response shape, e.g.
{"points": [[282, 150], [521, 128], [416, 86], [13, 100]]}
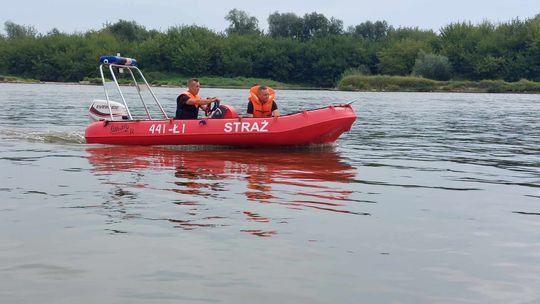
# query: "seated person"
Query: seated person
{"points": [[261, 102], [188, 102]]}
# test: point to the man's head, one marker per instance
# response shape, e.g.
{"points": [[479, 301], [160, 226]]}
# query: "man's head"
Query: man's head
{"points": [[263, 94], [193, 86]]}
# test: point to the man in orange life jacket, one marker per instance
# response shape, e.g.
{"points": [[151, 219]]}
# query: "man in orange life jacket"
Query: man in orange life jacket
{"points": [[188, 102], [261, 102]]}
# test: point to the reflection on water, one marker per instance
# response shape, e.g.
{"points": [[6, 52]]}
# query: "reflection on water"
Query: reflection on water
{"points": [[204, 180], [451, 181]]}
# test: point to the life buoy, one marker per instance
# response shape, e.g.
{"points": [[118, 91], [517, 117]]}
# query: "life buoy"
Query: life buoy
{"points": [[261, 109]]}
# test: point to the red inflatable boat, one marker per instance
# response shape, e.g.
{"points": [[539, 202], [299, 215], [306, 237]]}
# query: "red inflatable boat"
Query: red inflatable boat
{"points": [[114, 124]]}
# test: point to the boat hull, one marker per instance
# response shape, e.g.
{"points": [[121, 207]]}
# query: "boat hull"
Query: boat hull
{"points": [[319, 126]]}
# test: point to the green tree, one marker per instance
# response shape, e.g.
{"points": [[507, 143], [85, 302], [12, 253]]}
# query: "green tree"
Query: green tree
{"points": [[532, 54], [412, 33], [186, 50], [335, 26], [285, 25], [432, 66], [325, 59], [368, 30], [154, 53], [310, 26], [128, 31], [513, 41], [472, 50], [311, 49], [399, 58], [237, 56], [190, 58], [54, 32], [16, 31], [314, 24], [241, 23], [272, 60], [3, 55]]}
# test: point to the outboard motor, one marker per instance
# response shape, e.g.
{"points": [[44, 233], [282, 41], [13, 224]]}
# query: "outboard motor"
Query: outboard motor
{"points": [[99, 110]]}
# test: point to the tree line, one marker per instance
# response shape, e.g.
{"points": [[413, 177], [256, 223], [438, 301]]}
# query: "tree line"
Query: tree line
{"points": [[310, 49]]}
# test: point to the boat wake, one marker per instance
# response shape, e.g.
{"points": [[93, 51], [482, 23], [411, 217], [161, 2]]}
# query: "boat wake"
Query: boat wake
{"points": [[43, 136]]}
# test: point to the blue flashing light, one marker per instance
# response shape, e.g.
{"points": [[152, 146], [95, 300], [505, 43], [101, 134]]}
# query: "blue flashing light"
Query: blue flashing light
{"points": [[118, 60]]}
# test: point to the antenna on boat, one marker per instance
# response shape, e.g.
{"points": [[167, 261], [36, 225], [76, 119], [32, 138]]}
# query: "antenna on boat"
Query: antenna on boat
{"points": [[346, 104]]}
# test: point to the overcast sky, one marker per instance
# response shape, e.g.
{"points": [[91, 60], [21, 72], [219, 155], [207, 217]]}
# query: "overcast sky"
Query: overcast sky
{"points": [[75, 16]]}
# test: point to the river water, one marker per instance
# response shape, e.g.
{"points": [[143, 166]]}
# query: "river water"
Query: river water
{"points": [[431, 198]]}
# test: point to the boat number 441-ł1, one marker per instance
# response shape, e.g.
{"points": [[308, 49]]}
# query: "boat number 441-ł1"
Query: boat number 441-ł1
{"points": [[163, 128], [245, 126], [237, 127]]}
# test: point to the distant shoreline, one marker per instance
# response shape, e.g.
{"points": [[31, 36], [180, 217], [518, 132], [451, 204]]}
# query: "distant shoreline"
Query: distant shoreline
{"points": [[383, 83], [354, 83]]}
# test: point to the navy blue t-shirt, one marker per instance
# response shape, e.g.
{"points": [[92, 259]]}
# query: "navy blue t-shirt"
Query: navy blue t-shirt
{"points": [[184, 110]]}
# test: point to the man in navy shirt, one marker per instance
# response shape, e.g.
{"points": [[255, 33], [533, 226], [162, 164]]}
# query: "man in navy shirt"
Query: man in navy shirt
{"points": [[188, 102]]}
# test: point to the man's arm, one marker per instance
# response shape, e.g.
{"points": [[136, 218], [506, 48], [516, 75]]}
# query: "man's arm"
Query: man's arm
{"points": [[275, 110], [250, 109], [200, 102]]}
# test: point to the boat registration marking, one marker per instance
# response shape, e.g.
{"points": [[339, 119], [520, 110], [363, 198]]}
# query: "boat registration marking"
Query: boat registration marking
{"points": [[162, 129], [245, 126], [237, 127]]}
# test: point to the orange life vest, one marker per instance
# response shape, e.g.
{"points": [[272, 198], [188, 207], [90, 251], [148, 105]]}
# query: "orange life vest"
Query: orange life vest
{"points": [[261, 109], [191, 96]]}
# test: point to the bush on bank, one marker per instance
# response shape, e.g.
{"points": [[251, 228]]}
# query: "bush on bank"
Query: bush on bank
{"points": [[420, 84]]}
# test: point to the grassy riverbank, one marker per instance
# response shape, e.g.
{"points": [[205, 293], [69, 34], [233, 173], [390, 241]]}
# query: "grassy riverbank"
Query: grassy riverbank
{"points": [[13, 79], [157, 79], [348, 83], [225, 82], [180, 81], [419, 84]]}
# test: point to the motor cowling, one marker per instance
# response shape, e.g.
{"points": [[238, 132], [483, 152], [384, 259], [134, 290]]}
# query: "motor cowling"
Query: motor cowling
{"points": [[99, 110], [224, 111]]}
